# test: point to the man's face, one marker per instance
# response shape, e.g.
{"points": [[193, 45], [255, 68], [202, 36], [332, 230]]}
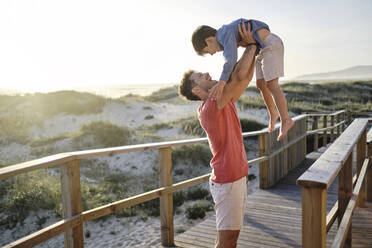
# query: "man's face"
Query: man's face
{"points": [[203, 80]]}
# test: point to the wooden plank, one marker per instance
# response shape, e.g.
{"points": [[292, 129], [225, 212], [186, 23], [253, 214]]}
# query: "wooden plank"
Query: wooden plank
{"points": [[345, 189], [316, 138], [71, 202], [369, 171], [40, 163], [313, 217], [46, 233], [331, 216], [263, 140], [338, 118], [166, 200], [343, 235], [325, 132], [360, 157], [332, 130], [325, 169]]}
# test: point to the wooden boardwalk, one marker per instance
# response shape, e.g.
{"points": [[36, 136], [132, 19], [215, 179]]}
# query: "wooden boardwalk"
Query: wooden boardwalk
{"points": [[273, 218]]}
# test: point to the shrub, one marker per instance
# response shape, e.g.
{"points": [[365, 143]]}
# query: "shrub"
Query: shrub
{"points": [[33, 191], [249, 125], [149, 117], [178, 198], [48, 141], [163, 94], [192, 127], [197, 193], [198, 210], [151, 208], [196, 153], [104, 133], [111, 188]]}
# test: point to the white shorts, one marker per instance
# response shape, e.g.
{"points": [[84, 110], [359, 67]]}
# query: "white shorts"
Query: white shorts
{"points": [[230, 200], [270, 60]]}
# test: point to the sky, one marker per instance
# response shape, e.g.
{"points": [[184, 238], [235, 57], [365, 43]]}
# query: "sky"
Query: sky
{"points": [[48, 45]]}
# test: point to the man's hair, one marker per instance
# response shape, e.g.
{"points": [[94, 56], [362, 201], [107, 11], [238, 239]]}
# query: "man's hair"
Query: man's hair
{"points": [[198, 37], [185, 87]]}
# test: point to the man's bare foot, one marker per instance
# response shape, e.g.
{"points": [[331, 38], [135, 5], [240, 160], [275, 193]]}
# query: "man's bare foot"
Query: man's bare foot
{"points": [[273, 120], [284, 127]]}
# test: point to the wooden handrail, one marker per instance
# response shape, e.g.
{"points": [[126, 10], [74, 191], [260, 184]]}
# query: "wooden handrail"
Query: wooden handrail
{"points": [[324, 170], [325, 128], [72, 159], [335, 161]]}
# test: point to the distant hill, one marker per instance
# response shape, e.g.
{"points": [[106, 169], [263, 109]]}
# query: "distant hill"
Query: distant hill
{"points": [[9, 92], [352, 73]]}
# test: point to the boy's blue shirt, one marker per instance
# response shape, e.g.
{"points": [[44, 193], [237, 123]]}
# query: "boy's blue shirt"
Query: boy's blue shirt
{"points": [[228, 37]]}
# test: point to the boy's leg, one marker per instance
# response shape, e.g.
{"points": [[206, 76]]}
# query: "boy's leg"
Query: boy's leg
{"points": [[281, 104], [269, 102]]}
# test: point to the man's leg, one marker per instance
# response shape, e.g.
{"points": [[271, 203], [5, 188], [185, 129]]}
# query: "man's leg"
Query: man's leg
{"points": [[269, 102], [227, 238], [281, 104]]}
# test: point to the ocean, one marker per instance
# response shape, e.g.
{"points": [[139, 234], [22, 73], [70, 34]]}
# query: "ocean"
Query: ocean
{"points": [[109, 91]]}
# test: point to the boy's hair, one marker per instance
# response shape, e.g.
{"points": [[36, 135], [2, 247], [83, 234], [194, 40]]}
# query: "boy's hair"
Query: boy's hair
{"points": [[199, 36], [185, 88]]}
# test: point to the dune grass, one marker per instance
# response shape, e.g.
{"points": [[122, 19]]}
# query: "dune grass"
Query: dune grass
{"points": [[303, 97], [100, 134]]}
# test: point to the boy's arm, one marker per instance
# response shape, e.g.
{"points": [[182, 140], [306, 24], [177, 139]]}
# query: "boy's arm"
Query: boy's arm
{"points": [[242, 74], [240, 78], [230, 53]]}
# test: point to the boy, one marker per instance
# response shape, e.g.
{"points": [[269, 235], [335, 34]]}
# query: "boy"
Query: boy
{"points": [[269, 62]]}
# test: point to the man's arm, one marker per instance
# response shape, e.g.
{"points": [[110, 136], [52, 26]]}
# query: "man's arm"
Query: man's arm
{"points": [[240, 78]]}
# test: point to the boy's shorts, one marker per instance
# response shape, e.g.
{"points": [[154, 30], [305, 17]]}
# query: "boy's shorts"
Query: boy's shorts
{"points": [[270, 60], [230, 200]]}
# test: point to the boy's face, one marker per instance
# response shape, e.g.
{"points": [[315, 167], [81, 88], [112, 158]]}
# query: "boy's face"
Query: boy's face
{"points": [[212, 45]]}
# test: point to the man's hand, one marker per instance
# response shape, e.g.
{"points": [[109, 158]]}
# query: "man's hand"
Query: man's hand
{"points": [[216, 91], [245, 34]]}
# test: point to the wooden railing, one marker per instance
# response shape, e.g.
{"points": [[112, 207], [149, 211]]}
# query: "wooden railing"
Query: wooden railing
{"points": [[337, 160], [276, 159]]}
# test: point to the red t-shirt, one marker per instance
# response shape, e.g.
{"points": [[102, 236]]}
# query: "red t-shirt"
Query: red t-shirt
{"points": [[225, 138]]}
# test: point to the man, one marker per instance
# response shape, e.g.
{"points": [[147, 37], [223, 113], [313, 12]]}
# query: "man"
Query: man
{"points": [[219, 118]]}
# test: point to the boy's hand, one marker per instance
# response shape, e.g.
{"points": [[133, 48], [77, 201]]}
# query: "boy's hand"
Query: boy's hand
{"points": [[216, 91], [246, 34]]}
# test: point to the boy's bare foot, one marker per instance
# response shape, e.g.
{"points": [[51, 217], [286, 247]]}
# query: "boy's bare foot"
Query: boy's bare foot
{"points": [[273, 120], [284, 127]]}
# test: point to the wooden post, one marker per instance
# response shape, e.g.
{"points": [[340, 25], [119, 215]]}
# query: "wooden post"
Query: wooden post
{"points": [[369, 171], [325, 132], [314, 211], [263, 150], [349, 117], [343, 127], [345, 189], [304, 143], [338, 127], [316, 136], [360, 157], [332, 130], [166, 200], [71, 202]]}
